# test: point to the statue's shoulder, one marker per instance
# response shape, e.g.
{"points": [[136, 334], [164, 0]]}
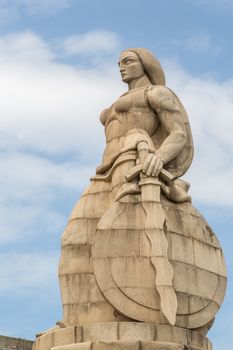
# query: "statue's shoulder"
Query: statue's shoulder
{"points": [[159, 96]]}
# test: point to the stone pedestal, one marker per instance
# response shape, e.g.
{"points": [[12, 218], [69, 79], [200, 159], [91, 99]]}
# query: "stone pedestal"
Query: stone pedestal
{"points": [[122, 336]]}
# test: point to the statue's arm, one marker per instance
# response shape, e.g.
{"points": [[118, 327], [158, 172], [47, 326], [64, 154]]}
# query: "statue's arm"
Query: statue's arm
{"points": [[163, 101]]}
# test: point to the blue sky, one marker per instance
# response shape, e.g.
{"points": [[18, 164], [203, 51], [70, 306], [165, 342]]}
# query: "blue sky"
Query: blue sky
{"points": [[58, 71]]}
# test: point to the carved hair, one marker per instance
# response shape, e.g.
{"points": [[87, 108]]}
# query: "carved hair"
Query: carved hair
{"points": [[151, 65]]}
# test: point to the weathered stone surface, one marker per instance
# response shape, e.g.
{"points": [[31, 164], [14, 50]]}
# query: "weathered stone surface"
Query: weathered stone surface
{"points": [[80, 346], [135, 249], [79, 259], [180, 248], [136, 331], [148, 335], [171, 334], [161, 346], [119, 345], [45, 342], [88, 312], [65, 336], [101, 332]]}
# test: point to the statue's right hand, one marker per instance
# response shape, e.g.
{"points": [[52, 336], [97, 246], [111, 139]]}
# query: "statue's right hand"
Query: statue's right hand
{"points": [[152, 165]]}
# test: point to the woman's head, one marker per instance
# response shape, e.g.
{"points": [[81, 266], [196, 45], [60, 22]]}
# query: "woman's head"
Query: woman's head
{"points": [[137, 62], [130, 66]]}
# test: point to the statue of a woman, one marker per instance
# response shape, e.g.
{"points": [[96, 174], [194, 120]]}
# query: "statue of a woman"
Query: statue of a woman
{"points": [[148, 115], [135, 249]]}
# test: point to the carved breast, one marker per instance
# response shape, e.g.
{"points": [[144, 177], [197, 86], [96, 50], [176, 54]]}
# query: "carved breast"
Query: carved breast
{"points": [[128, 112]]}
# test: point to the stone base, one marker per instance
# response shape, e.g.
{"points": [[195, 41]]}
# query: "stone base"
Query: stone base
{"points": [[122, 336]]}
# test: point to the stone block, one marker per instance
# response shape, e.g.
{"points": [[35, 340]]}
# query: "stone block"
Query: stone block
{"points": [[89, 206], [207, 283], [194, 281], [103, 275], [215, 262], [219, 295], [123, 216], [70, 313], [91, 228], [35, 345], [95, 293], [118, 345], [100, 332], [70, 290], [190, 303], [75, 259], [210, 236], [184, 279], [132, 310], [171, 334], [175, 222], [84, 288], [101, 312], [193, 225], [130, 272], [97, 187], [154, 345], [67, 335], [145, 245], [180, 248], [113, 243], [206, 316], [88, 313], [148, 297], [197, 340], [197, 348], [45, 342], [78, 346], [136, 331], [75, 233]]}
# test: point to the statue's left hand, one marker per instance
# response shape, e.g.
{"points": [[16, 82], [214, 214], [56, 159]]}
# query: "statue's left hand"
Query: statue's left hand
{"points": [[152, 165]]}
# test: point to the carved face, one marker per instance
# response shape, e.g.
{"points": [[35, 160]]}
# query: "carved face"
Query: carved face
{"points": [[130, 66]]}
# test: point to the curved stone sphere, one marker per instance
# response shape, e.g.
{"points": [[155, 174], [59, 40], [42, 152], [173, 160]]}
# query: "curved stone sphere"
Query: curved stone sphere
{"points": [[124, 273]]}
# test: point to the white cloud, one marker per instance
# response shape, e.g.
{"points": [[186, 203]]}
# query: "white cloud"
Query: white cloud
{"points": [[26, 48], [31, 190], [199, 43], [50, 112], [46, 105], [92, 43]]}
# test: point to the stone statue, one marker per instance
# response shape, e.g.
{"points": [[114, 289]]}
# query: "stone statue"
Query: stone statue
{"points": [[140, 268]]}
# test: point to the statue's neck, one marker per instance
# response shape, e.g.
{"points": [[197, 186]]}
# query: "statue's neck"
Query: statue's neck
{"points": [[139, 82]]}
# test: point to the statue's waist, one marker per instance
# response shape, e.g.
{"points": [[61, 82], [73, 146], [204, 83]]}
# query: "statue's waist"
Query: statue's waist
{"points": [[116, 146]]}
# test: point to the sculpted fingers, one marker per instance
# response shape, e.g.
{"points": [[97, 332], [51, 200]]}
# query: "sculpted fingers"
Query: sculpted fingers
{"points": [[147, 163], [157, 167], [152, 165]]}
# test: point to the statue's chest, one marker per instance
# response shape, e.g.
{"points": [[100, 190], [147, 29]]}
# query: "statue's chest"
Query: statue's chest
{"points": [[131, 107], [131, 102], [130, 111]]}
